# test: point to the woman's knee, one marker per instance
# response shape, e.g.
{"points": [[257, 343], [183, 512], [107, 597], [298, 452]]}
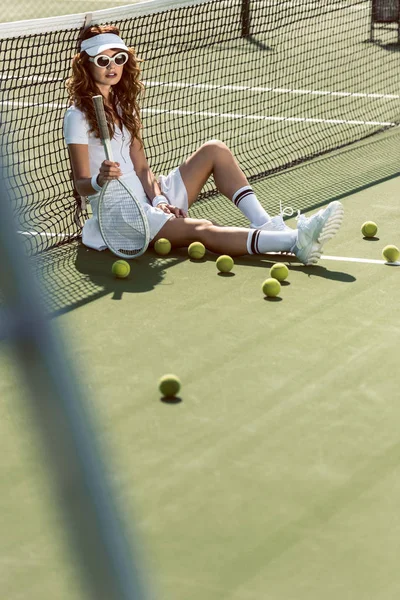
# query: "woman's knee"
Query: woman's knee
{"points": [[202, 231], [184, 231], [198, 230], [215, 146], [203, 224]]}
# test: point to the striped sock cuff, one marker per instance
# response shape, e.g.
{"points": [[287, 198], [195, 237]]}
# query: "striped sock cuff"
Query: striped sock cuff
{"points": [[252, 241], [241, 194]]}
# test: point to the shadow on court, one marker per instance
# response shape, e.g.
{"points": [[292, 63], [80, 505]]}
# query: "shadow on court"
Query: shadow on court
{"points": [[334, 176], [74, 275], [258, 43], [312, 271], [388, 46], [147, 271]]}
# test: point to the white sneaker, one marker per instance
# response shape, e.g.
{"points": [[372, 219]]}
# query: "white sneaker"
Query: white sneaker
{"points": [[274, 224], [315, 231]]}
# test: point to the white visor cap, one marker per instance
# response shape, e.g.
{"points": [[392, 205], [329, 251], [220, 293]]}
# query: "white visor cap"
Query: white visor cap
{"points": [[105, 41]]}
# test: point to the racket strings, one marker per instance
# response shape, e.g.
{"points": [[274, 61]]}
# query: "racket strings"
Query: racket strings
{"points": [[122, 222]]}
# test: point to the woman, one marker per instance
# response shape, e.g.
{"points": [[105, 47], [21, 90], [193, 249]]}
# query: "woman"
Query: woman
{"points": [[106, 65]]}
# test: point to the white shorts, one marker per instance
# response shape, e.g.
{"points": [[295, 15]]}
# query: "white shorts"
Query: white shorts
{"points": [[172, 187]]}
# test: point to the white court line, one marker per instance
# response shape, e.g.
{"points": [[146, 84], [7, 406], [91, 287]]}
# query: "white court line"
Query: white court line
{"points": [[34, 78], [360, 260], [34, 104], [189, 113], [46, 234], [324, 256], [265, 118], [246, 88], [230, 88]]}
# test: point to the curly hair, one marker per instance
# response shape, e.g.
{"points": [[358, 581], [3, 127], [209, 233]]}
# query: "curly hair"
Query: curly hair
{"points": [[126, 93]]}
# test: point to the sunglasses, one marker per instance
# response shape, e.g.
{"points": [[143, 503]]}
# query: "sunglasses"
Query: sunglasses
{"points": [[103, 61]]}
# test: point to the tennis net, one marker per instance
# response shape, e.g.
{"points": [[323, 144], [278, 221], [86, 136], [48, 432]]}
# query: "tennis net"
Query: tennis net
{"points": [[278, 82]]}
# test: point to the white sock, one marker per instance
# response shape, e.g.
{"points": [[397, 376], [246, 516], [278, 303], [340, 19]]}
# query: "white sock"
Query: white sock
{"points": [[246, 201], [260, 241]]}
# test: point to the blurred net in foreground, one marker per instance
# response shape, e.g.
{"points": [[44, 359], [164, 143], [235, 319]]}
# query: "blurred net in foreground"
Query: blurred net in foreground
{"points": [[303, 81], [95, 529]]}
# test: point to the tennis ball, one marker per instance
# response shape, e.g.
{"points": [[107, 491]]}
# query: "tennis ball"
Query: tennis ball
{"points": [[271, 287], [162, 246], [196, 250], [224, 263], [391, 253], [279, 271], [169, 385], [369, 229], [121, 269]]}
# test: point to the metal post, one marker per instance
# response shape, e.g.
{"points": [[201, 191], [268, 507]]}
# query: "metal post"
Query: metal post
{"points": [[245, 18]]}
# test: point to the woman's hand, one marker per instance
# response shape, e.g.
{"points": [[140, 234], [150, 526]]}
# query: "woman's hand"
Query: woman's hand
{"points": [[108, 170], [172, 210]]}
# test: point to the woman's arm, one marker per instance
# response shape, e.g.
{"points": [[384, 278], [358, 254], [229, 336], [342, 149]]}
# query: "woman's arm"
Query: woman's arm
{"points": [[79, 156]]}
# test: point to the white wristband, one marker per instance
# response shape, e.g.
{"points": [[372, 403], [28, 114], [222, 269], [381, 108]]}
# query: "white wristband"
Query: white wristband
{"points": [[159, 200], [94, 184]]}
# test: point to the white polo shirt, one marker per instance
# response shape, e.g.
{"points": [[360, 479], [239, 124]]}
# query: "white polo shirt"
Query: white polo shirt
{"points": [[76, 131]]}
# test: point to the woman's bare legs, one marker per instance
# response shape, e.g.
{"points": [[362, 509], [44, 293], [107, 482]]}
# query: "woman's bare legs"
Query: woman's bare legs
{"points": [[215, 158], [212, 158], [221, 240], [235, 241]]}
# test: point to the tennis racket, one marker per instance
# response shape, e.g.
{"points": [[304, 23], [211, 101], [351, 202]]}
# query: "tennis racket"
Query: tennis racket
{"points": [[123, 223]]}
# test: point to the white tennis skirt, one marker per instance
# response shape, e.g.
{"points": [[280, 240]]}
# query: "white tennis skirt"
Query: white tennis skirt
{"points": [[172, 187]]}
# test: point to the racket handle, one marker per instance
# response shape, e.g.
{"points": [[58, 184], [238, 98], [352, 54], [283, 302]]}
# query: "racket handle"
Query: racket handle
{"points": [[98, 103]]}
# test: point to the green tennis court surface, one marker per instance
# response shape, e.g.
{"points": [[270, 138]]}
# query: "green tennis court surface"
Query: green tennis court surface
{"points": [[276, 475]]}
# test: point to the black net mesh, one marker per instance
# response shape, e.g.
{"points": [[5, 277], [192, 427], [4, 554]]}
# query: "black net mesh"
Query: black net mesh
{"points": [[303, 80]]}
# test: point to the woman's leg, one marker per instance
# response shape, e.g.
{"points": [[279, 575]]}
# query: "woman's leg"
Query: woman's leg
{"points": [[212, 158], [215, 158], [235, 241], [306, 242]]}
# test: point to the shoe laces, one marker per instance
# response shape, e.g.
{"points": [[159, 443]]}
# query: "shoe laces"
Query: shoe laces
{"points": [[288, 211]]}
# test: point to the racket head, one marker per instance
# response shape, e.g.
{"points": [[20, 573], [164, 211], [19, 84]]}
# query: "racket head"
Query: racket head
{"points": [[122, 220]]}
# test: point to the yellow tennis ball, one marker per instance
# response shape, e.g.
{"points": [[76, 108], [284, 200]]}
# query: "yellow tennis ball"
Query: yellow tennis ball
{"points": [[121, 269], [224, 263], [369, 229], [391, 253], [162, 246], [169, 385], [196, 250], [279, 271], [271, 287]]}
